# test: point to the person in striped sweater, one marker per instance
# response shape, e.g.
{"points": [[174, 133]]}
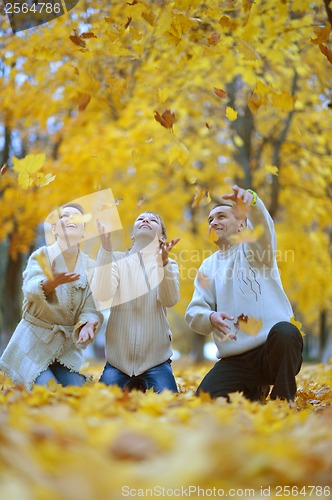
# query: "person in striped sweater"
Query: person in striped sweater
{"points": [[139, 284]]}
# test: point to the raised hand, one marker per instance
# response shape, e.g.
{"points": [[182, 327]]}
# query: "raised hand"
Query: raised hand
{"points": [[166, 247], [105, 238], [242, 199], [49, 285]]}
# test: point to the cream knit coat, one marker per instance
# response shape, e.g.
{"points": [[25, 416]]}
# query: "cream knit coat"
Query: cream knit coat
{"points": [[50, 326]]}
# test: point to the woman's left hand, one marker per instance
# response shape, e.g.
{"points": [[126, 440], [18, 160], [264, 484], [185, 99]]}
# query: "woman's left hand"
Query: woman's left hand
{"points": [[87, 332]]}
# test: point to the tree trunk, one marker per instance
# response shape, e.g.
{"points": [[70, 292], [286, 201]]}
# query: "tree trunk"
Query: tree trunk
{"points": [[11, 301]]}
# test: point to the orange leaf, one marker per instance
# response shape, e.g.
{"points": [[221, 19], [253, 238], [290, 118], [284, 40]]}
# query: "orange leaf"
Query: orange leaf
{"points": [[214, 39], [327, 52], [83, 100], [322, 34], [166, 119], [220, 93], [4, 169], [88, 34], [77, 40], [248, 324]]}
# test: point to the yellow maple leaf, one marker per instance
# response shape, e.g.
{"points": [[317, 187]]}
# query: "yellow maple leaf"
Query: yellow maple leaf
{"points": [[212, 236], [179, 153], [282, 100], [271, 169], [45, 265], [298, 325], [231, 114], [27, 169]]}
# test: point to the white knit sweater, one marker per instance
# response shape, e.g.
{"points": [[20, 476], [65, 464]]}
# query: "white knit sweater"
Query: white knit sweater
{"points": [[138, 334], [242, 280]]}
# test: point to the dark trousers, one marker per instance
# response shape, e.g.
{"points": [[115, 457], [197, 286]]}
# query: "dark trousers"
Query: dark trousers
{"points": [[274, 363]]}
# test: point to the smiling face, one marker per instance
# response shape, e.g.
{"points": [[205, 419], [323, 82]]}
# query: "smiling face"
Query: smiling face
{"points": [[70, 228], [148, 225], [224, 223]]}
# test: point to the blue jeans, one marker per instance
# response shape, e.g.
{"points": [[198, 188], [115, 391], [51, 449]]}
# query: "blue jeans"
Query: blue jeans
{"points": [[61, 375], [158, 378]]}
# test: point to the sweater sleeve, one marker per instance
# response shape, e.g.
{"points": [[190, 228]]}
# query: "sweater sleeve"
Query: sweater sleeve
{"points": [[88, 313], [33, 275], [263, 249], [201, 306], [169, 288], [105, 279]]}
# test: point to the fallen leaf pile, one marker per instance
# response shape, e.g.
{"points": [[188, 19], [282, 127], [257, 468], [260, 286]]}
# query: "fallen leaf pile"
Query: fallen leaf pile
{"points": [[96, 442]]}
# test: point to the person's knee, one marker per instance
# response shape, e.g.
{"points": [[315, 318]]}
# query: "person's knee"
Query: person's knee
{"points": [[286, 332]]}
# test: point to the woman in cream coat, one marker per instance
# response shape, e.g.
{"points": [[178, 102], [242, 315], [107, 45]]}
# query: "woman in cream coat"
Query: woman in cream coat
{"points": [[59, 314]]}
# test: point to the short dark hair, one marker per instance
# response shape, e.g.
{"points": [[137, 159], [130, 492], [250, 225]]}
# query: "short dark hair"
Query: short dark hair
{"points": [[73, 205], [222, 205]]}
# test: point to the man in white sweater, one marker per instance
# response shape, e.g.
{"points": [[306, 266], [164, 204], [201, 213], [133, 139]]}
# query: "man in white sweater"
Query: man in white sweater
{"points": [[239, 298]]}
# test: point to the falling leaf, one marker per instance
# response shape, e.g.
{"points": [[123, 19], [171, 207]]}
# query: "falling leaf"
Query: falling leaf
{"points": [[166, 119], [212, 235], [82, 100], [179, 153], [255, 101], [214, 39], [27, 169], [80, 218], [77, 40], [128, 22], [298, 325], [45, 265], [141, 201], [208, 126], [248, 324], [4, 169], [327, 52], [88, 34], [105, 206], [220, 93], [231, 114], [200, 192], [282, 100], [203, 280], [163, 95], [322, 34], [271, 169]]}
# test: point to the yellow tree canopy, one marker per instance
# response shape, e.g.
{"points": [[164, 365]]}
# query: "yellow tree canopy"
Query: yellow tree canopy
{"points": [[169, 103]]}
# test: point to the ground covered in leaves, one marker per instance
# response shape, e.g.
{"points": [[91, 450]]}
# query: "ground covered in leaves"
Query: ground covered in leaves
{"points": [[97, 443]]}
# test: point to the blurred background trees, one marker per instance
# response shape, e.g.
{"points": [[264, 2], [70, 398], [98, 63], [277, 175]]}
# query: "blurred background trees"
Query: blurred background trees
{"points": [[249, 84]]}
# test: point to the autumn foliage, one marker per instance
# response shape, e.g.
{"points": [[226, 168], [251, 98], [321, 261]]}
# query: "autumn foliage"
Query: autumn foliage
{"points": [[91, 442]]}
